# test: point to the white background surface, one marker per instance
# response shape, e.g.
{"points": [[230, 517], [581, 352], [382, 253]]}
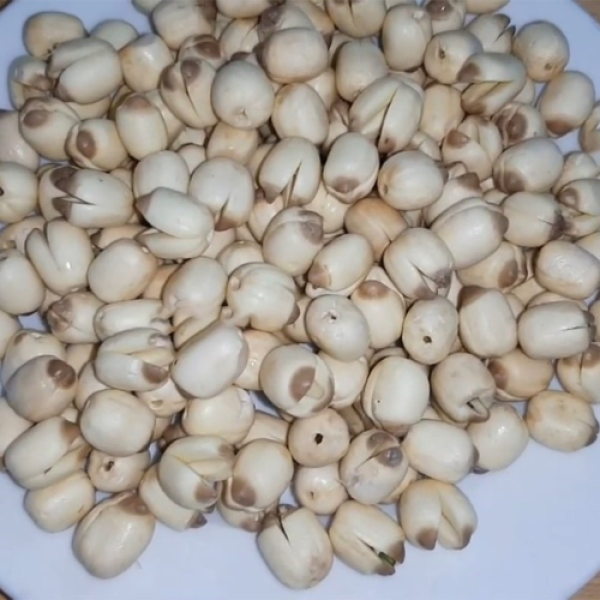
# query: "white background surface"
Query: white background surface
{"points": [[539, 522]]}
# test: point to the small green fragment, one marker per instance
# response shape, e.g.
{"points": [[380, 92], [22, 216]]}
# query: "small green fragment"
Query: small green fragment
{"points": [[386, 558]]}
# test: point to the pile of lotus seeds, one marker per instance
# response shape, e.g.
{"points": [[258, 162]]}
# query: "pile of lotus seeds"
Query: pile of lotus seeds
{"points": [[356, 209]]}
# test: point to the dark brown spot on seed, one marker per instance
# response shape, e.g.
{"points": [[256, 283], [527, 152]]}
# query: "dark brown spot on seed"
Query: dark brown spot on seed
{"points": [[470, 73], [154, 373], [168, 80], [457, 139], [60, 176], [36, 118], [63, 206], [379, 438], [69, 431], [397, 552], [205, 493], [132, 504], [372, 290], [391, 457], [466, 535], [438, 9], [591, 357], [62, 373], [208, 46], [86, 144], [191, 69], [470, 294], [510, 182], [312, 230], [499, 372], [301, 382], [427, 539], [559, 226], [143, 203], [344, 185], [469, 181], [197, 521], [319, 276], [501, 223], [242, 492], [137, 102], [508, 275], [559, 127], [294, 315]]}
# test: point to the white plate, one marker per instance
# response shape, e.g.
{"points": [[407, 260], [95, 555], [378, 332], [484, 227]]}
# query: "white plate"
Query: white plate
{"points": [[539, 526]]}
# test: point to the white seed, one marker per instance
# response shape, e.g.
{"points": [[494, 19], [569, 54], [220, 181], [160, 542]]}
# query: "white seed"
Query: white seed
{"points": [[113, 535], [11, 427], [561, 421], [367, 539], [447, 52], [41, 388], [358, 63], [291, 169], [43, 31], [396, 394], [318, 440], [373, 466], [472, 230], [118, 317], [210, 361], [177, 20], [262, 471], [242, 94], [433, 512], [121, 271], [226, 188], [21, 289], [567, 269], [534, 219], [350, 171], [566, 102], [430, 330], [419, 263], [543, 48], [45, 124], [114, 474], [13, 146], [141, 126], [62, 504], [388, 112], [261, 296], [382, 306], [116, 423], [229, 415], [410, 180], [332, 273], [296, 381], [487, 326], [46, 453], [519, 377], [25, 345], [116, 32], [319, 488], [283, 66], [376, 220], [19, 192], [556, 330], [405, 33], [295, 547], [163, 508], [500, 440], [440, 450]]}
